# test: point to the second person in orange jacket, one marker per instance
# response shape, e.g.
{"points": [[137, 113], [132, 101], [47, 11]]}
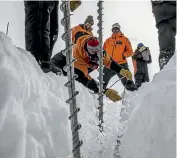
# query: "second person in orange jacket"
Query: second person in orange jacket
{"points": [[83, 29], [118, 48], [86, 53]]}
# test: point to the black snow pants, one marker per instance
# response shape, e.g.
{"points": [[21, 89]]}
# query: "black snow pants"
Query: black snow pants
{"points": [[108, 74], [41, 28], [165, 16], [141, 78], [59, 60]]}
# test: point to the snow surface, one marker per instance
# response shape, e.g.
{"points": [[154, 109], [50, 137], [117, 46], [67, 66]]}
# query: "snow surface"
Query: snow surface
{"points": [[29, 128], [33, 113], [151, 123], [34, 116]]}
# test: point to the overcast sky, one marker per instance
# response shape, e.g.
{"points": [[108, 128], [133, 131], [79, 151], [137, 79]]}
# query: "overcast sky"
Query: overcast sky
{"points": [[135, 18]]}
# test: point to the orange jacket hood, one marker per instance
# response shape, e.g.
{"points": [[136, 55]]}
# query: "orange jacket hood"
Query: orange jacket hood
{"points": [[79, 31]]}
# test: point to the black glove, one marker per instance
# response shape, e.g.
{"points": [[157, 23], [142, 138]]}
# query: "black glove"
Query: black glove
{"points": [[94, 58], [93, 65], [139, 55]]}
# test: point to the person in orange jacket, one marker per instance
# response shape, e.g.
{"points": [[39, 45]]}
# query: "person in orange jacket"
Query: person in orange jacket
{"points": [[86, 53], [83, 29], [118, 48]]}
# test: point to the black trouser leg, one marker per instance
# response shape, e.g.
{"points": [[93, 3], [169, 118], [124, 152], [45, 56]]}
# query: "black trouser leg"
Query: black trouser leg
{"points": [[165, 16], [145, 77], [166, 31], [128, 84], [31, 28], [53, 27], [138, 79], [37, 28], [59, 60], [108, 74], [90, 84]]}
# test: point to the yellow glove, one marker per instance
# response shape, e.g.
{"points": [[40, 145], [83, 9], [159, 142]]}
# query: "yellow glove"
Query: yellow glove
{"points": [[126, 73], [74, 4], [112, 95]]}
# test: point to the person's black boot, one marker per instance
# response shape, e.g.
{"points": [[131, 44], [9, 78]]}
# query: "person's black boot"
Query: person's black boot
{"points": [[47, 66], [131, 87]]}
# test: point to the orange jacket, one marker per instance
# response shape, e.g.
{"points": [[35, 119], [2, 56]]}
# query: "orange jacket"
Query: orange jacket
{"points": [[83, 60], [79, 31], [134, 66], [118, 48]]}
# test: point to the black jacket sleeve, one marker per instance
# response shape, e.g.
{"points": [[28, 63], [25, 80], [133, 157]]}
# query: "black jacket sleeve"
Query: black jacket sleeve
{"points": [[150, 60], [137, 55], [115, 67], [90, 84]]}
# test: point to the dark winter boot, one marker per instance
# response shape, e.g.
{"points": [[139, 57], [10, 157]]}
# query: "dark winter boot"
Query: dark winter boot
{"points": [[47, 66], [131, 86], [138, 85]]}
